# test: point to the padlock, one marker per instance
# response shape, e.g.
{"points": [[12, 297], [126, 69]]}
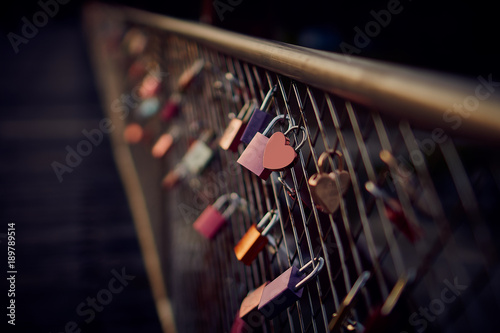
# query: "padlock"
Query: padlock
{"points": [[339, 318], [403, 176], [194, 161], [171, 107], [255, 238], [211, 219], [135, 41], [188, 76], [379, 319], [249, 311], [324, 189], [286, 289], [148, 108], [395, 214], [165, 142], [278, 154], [252, 156], [260, 118], [231, 137], [150, 86]]}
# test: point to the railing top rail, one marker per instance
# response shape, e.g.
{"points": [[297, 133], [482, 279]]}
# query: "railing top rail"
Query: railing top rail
{"points": [[431, 99]]}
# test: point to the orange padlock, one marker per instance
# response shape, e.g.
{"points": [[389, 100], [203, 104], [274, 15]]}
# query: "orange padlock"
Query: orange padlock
{"points": [[255, 238]]}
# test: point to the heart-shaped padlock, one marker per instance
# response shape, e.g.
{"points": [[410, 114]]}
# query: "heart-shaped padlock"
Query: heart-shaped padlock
{"points": [[278, 154], [324, 189]]}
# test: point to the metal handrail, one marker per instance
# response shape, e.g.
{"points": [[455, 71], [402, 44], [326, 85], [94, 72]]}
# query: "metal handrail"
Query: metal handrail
{"points": [[422, 96]]}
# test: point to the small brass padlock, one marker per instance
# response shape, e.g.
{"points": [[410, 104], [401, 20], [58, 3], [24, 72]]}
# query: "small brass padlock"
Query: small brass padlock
{"points": [[325, 191], [255, 238]]}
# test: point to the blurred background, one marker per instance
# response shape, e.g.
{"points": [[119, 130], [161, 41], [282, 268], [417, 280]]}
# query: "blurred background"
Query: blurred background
{"points": [[71, 235]]}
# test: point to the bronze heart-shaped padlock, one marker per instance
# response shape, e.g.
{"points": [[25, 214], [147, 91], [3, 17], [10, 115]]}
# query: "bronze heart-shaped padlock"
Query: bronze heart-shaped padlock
{"points": [[324, 190]]}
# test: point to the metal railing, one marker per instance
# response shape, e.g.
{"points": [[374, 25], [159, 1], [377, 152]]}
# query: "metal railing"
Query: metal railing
{"points": [[428, 242]]}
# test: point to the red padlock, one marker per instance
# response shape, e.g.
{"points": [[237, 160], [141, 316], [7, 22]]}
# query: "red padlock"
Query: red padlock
{"points": [[255, 239], [252, 157], [249, 312], [395, 214], [212, 220]]}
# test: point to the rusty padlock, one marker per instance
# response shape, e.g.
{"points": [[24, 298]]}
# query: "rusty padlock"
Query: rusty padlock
{"points": [[324, 189], [255, 239], [278, 154], [231, 137], [260, 118], [252, 157], [286, 289], [211, 219]]}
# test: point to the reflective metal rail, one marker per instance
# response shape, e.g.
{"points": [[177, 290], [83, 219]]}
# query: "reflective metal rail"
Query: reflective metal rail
{"points": [[412, 245]]}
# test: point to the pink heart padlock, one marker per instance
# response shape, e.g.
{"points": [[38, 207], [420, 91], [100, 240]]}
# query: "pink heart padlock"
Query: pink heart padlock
{"points": [[278, 154]]}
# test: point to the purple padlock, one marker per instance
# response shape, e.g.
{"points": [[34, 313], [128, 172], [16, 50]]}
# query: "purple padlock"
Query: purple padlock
{"points": [[253, 156], [260, 118], [286, 289], [211, 220]]}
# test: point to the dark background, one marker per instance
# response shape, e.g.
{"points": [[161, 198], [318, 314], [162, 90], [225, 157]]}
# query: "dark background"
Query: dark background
{"points": [[70, 235]]}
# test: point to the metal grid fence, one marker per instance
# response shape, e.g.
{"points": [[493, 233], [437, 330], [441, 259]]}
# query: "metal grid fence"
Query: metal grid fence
{"points": [[443, 242]]}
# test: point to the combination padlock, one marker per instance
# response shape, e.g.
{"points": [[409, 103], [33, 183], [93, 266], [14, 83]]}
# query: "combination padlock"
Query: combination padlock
{"points": [[286, 289], [255, 239], [327, 189], [260, 118], [231, 137], [211, 219], [343, 312], [165, 142], [195, 160], [395, 214], [252, 157], [278, 154]]}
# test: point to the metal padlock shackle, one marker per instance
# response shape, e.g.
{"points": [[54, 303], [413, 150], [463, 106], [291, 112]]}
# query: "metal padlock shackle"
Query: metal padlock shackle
{"points": [[269, 97], [267, 218], [302, 128], [233, 199], [311, 275], [273, 122], [324, 155]]}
